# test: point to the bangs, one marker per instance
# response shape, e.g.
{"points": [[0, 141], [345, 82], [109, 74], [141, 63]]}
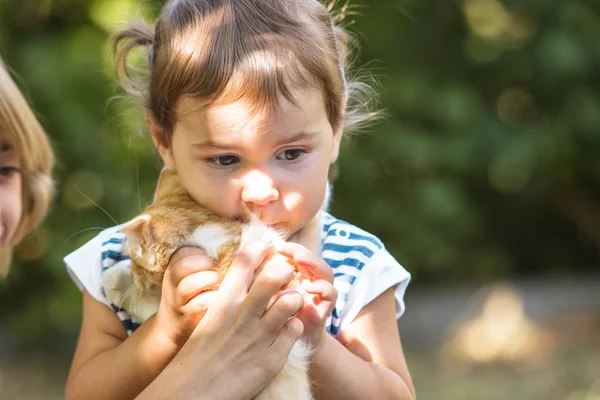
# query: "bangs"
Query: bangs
{"points": [[8, 138], [14, 118], [20, 129], [260, 79], [226, 55]]}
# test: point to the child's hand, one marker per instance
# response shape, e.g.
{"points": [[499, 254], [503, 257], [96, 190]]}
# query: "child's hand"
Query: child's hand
{"points": [[317, 281], [189, 285]]}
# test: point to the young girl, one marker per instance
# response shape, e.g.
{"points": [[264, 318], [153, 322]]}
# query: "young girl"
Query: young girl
{"points": [[26, 161], [247, 101]]}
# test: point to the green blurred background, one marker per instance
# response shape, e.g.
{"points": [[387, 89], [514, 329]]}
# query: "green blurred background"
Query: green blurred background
{"points": [[485, 171]]}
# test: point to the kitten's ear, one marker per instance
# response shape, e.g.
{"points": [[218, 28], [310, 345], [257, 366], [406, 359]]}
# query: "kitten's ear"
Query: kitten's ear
{"points": [[138, 230], [168, 183]]}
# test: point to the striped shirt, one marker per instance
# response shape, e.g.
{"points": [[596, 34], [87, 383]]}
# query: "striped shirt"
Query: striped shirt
{"points": [[363, 269]]}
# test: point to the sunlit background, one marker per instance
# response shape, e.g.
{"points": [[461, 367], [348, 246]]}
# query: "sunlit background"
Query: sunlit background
{"points": [[483, 182]]}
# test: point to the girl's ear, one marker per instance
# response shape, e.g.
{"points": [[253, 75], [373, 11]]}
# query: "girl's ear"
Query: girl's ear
{"points": [[161, 141]]}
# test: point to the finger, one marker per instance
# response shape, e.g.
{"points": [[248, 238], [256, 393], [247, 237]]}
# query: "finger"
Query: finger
{"points": [[321, 293], [288, 336], [276, 274], [308, 264], [314, 267], [196, 283], [322, 288], [289, 248], [283, 308], [235, 284], [200, 303], [184, 252], [186, 261]]}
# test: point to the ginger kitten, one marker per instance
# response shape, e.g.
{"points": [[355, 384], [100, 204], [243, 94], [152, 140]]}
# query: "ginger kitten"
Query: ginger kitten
{"points": [[175, 220]]}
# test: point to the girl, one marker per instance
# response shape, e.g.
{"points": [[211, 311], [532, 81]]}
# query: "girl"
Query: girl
{"points": [[26, 161], [247, 101]]}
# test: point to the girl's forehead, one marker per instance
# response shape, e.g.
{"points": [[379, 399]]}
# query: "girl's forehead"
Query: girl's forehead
{"points": [[306, 113]]}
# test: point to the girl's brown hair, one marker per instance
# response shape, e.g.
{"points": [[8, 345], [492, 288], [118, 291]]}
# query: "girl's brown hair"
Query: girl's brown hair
{"points": [[251, 50], [21, 129]]}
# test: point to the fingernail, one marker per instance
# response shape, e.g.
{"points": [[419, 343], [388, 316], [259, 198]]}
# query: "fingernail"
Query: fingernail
{"points": [[301, 254]]}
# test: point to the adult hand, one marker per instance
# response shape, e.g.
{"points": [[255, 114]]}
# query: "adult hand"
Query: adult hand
{"points": [[241, 343]]}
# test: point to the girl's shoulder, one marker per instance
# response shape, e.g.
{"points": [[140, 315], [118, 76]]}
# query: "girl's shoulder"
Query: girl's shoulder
{"points": [[363, 270], [342, 238], [87, 264], [102, 251]]}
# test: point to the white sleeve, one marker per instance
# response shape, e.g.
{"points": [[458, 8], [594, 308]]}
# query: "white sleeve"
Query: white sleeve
{"points": [[84, 265], [380, 273]]}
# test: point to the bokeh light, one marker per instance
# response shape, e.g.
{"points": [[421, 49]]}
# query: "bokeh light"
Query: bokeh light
{"points": [[82, 190]]}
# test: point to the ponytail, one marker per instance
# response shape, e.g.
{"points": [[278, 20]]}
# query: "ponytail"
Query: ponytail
{"points": [[137, 34]]}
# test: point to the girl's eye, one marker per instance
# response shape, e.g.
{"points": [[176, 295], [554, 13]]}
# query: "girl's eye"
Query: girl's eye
{"points": [[224, 161], [7, 172], [291, 154]]}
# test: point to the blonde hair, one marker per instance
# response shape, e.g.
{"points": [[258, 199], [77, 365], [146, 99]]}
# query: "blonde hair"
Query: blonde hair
{"points": [[252, 50], [20, 127]]}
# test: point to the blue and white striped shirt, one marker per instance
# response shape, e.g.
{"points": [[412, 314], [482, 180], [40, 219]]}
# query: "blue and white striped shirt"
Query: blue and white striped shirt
{"points": [[363, 269]]}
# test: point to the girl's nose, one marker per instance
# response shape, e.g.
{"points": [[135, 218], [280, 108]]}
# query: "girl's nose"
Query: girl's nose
{"points": [[259, 189]]}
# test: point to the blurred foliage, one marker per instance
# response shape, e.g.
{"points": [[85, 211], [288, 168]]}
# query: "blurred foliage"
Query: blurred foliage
{"points": [[486, 167]]}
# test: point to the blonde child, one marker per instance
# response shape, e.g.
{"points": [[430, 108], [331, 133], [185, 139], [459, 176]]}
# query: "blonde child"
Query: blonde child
{"points": [[247, 101], [26, 161]]}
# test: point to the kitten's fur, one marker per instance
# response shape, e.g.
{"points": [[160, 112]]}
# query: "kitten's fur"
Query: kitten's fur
{"points": [[175, 220]]}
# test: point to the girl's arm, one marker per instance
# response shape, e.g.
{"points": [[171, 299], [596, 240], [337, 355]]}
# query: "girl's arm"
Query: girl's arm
{"points": [[109, 365], [106, 366], [367, 362]]}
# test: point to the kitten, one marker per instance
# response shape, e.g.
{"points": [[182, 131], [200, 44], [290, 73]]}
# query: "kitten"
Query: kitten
{"points": [[175, 220]]}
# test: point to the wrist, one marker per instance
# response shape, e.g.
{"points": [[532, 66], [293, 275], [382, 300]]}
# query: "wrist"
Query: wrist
{"points": [[168, 328], [191, 374], [151, 349], [174, 383], [162, 336]]}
